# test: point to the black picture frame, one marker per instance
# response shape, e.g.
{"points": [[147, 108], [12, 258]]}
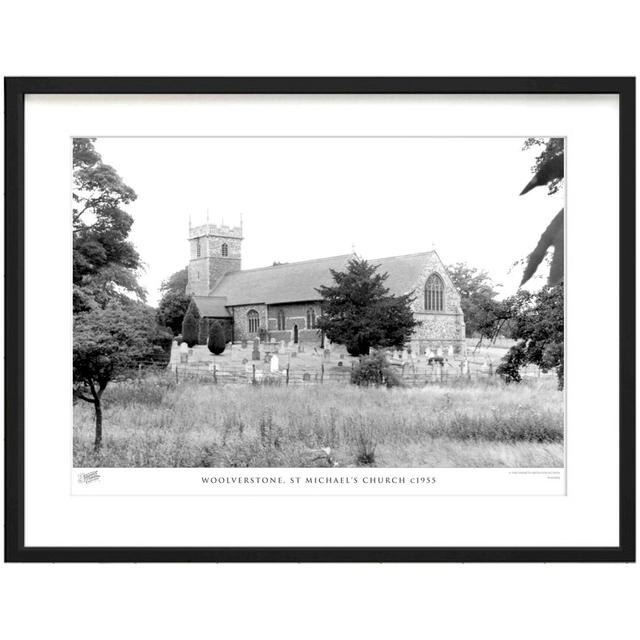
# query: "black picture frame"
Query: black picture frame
{"points": [[15, 91]]}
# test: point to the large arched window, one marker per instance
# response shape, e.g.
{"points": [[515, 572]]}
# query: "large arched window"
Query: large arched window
{"points": [[311, 318], [280, 320], [434, 293], [254, 321], [225, 249]]}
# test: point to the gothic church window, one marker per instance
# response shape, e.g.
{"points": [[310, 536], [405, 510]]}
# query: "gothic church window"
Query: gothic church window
{"points": [[281, 320], [198, 248], [225, 249], [434, 293], [311, 318], [254, 321]]}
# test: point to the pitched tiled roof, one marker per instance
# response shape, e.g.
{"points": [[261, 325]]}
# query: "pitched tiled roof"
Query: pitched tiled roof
{"points": [[297, 281], [211, 306]]}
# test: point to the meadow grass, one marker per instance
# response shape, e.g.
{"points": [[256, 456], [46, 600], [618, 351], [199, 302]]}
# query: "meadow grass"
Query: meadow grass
{"points": [[156, 423]]}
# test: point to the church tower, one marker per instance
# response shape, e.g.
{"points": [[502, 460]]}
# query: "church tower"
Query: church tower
{"points": [[214, 251]]}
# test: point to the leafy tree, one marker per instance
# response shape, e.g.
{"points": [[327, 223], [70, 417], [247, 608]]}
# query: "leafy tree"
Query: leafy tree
{"points": [[538, 325], [190, 325], [359, 312], [176, 282], [548, 170], [104, 260], [110, 343], [477, 296], [171, 310], [174, 301], [216, 342]]}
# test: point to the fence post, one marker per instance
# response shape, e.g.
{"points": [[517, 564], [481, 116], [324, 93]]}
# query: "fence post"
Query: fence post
{"points": [[253, 378], [254, 368], [215, 377], [322, 373], [176, 374]]}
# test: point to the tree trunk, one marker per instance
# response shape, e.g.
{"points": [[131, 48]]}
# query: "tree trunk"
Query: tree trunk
{"points": [[98, 408], [97, 395]]}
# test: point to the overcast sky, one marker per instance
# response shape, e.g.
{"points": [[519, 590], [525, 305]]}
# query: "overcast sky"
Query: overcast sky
{"points": [[303, 198]]}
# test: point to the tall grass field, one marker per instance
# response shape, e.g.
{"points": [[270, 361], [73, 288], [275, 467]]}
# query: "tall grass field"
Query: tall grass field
{"points": [[157, 423]]}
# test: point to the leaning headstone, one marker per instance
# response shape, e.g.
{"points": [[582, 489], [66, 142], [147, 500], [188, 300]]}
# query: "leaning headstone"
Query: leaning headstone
{"points": [[255, 355], [275, 364]]}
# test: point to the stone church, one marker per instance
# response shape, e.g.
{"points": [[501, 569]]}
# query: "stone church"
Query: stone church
{"points": [[282, 300]]}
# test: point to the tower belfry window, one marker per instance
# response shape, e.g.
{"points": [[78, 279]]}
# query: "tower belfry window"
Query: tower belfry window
{"points": [[225, 249], [198, 248]]}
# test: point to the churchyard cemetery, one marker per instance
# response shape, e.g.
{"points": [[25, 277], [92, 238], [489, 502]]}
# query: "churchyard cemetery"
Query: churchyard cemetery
{"points": [[233, 410]]}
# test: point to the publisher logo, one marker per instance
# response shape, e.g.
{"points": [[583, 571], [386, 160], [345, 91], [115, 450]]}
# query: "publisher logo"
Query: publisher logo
{"points": [[86, 478]]}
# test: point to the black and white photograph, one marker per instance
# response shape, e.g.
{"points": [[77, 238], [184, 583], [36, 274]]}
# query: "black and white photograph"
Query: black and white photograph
{"points": [[322, 301]]}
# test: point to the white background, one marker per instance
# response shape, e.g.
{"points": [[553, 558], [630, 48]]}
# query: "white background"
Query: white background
{"points": [[587, 516], [395, 38]]}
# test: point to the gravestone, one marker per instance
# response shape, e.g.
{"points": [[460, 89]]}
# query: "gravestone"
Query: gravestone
{"points": [[275, 364], [327, 354], [244, 361], [244, 343], [300, 348], [306, 377], [282, 345], [405, 354], [340, 363], [184, 352], [267, 357], [255, 355], [342, 356], [293, 354]]}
